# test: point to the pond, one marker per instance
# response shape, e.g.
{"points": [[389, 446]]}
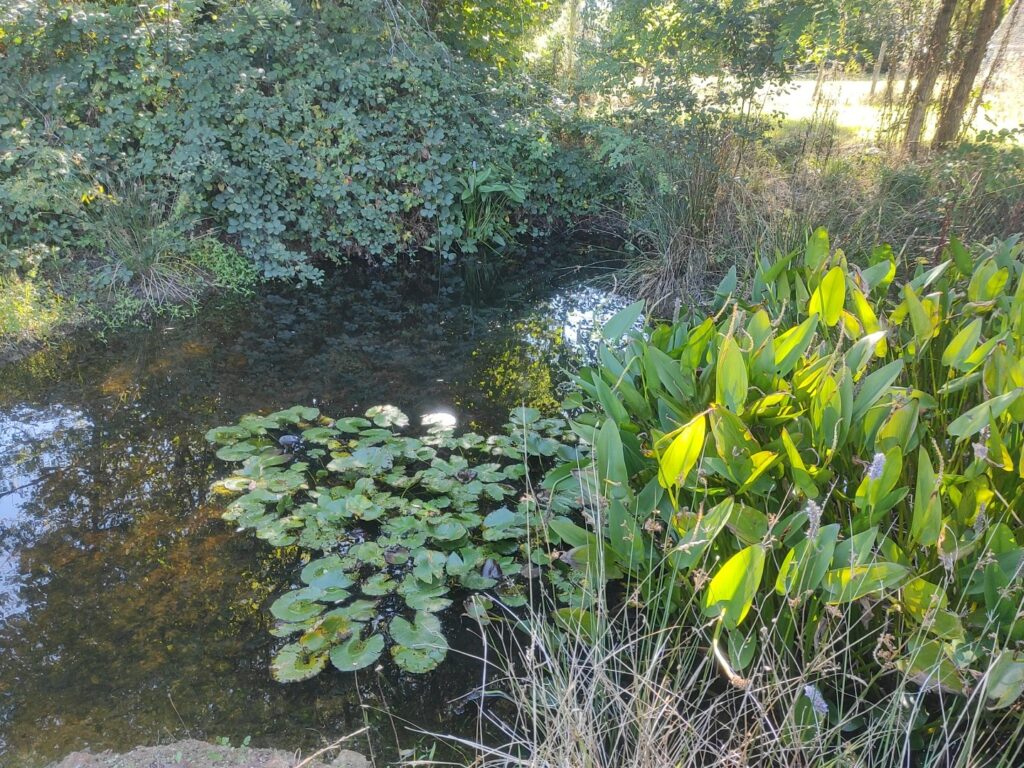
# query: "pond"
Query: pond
{"points": [[129, 612]]}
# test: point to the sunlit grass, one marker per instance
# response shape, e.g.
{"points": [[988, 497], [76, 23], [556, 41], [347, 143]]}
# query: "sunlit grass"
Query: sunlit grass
{"points": [[863, 116], [28, 312]]}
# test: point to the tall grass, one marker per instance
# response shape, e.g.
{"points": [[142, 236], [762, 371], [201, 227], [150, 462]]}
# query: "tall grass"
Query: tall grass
{"points": [[694, 213], [642, 688]]}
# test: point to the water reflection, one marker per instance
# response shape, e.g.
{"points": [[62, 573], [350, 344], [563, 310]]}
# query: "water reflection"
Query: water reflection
{"points": [[129, 613]]}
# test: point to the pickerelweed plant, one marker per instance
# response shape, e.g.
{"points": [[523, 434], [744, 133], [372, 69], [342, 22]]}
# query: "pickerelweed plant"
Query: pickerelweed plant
{"points": [[842, 453], [390, 527]]}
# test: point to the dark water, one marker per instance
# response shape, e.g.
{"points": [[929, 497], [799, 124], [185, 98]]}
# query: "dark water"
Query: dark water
{"points": [[129, 613]]}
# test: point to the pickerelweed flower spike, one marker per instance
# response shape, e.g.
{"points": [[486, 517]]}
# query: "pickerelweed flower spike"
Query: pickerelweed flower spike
{"points": [[877, 467], [813, 518], [818, 703]]}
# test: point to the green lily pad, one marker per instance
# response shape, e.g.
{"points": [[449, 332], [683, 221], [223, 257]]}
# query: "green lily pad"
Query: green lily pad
{"points": [[357, 611], [379, 584], [298, 605], [387, 416], [423, 597], [332, 630], [448, 530], [326, 573], [357, 654], [429, 564], [227, 435], [419, 645], [320, 435], [294, 663], [293, 415]]}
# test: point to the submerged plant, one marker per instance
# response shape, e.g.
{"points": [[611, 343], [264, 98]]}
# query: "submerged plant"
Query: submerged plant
{"points": [[389, 525]]}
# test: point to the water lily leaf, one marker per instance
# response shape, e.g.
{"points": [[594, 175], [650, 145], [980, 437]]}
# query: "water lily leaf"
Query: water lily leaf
{"points": [[368, 553], [294, 663], [421, 596], [320, 435], [293, 415], [356, 653], [330, 630], [419, 645], [379, 584], [357, 611], [387, 416], [477, 608], [227, 435], [326, 572], [448, 530], [429, 564], [298, 605], [239, 451]]}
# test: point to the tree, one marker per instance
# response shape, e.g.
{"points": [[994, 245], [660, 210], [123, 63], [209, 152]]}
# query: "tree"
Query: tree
{"points": [[928, 72], [953, 110]]}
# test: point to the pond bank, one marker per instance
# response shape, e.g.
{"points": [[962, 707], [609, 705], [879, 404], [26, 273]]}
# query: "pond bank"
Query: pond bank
{"points": [[191, 753]]}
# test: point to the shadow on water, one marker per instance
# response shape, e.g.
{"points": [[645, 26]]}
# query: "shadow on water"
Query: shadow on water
{"points": [[129, 612]]}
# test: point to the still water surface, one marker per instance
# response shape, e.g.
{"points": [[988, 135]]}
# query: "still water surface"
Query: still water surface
{"points": [[129, 612]]}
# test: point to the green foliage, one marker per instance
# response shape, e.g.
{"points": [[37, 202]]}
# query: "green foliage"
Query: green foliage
{"points": [[387, 524], [301, 133], [842, 444]]}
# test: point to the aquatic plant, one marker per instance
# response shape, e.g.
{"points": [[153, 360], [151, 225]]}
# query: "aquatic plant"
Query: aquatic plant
{"points": [[833, 461], [392, 528]]}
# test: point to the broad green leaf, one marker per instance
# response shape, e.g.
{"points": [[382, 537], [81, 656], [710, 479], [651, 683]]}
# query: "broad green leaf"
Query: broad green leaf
{"points": [[873, 386], [683, 452], [1005, 679], [793, 343], [926, 523], [731, 592], [844, 585], [731, 376], [611, 464], [962, 345], [979, 416], [622, 321], [828, 298], [807, 563], [817, 249]]}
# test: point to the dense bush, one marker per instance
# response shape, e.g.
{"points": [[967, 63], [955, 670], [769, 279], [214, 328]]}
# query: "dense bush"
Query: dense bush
{"points": [[301, 133], [827, 470]]}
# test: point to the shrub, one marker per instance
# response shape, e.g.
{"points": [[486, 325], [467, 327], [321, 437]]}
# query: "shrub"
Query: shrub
{"points": [[303, 133], [833, 462]]}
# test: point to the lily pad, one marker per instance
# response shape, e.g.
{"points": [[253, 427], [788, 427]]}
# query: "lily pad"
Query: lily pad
{"points": [[326, 573], [357, 610], [356, 653], [294, 663], [419, 645], [298, 605], [387, 416], [379, 584], [227, 435], [421, 596]]}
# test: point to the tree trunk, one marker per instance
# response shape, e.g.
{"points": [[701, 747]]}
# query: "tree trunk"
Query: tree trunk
{"points": [[931, 65], [878, 69], [951, 119]]}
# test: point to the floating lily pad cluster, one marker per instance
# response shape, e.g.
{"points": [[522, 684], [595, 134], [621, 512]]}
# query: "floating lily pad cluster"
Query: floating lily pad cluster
{"points": [[395, 526]]}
